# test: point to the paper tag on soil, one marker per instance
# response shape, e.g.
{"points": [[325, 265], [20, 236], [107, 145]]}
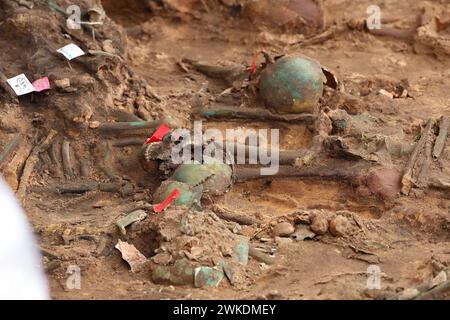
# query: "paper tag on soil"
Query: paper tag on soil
{"points": [[131, 255], [20, 84], [71, 51], [41, 84]]}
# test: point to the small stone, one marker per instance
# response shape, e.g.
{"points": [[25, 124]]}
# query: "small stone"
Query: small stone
{"points": [[283, 229], [62, 83], [247, 231], [94, 124], [27, 4], [140, 101], [163, 258], [319, 225], [402, 63], [440, 278], [404, 94], [207, 277], [386, 93], [108, 46], [234, 272], [82, 81], [143, 113], [102, 203], [196, 252], [282, 241], [408, 294], [339, 226], [181, 273]]}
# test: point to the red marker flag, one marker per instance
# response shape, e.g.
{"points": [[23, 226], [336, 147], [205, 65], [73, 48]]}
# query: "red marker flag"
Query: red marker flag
{"points": [[163, 205], [253, 65], [41, 84], [159, 134]]}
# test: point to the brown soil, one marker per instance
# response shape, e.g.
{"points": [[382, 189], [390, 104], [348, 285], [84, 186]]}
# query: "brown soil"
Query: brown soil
{"points": [[407, 237]]}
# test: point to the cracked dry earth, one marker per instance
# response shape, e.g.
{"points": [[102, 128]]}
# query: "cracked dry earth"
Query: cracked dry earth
{"points": [[406, 236]]}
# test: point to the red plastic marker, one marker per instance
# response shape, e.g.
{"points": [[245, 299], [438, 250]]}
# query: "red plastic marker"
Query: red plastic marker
{"points": [[163, 205], [159, 134], [253, 65], [41, 84]]}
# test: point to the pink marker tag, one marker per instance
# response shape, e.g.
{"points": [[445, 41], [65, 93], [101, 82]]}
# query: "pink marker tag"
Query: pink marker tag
{"points": [[253, 65], [159, 134], [163, 205], [41, 84]]}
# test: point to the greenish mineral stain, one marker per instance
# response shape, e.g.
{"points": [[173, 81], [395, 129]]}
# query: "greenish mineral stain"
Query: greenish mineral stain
{"points": [[216, 178], [341, 124], [241, 251], [209, 113], [189, 196], [192, 173], [208, 277], [181, 273], [138, 124]]}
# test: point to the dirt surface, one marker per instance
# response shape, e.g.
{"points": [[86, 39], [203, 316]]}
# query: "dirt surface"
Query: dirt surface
{"points": [[392, 86]]}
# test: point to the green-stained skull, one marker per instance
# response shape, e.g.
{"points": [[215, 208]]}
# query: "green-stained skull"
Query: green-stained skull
{"points": [[189, 195], [215, 178], [292, 84]]}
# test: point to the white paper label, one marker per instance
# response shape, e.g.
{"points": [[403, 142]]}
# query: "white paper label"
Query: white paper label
{"points": [[20, 84], [71, 51]]}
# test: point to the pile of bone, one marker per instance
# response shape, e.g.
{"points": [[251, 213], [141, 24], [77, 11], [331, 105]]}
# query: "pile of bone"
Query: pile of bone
{"points": [[312, 223]]}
